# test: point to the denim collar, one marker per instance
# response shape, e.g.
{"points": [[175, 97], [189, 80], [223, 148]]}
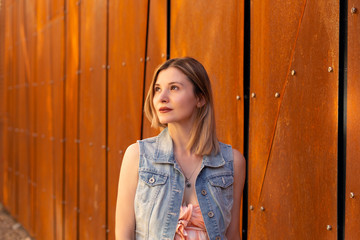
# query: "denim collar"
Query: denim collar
{"points": [[164, 152]]}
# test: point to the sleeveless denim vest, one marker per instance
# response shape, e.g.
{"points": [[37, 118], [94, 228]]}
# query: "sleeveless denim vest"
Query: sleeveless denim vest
{"points": [[161, 184]]}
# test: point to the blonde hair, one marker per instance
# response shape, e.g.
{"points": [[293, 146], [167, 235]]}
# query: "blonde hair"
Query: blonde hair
{"points": [[203, 139]]}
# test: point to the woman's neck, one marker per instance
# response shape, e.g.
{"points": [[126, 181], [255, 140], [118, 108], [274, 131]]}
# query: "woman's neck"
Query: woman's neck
{"points": [[180, 135]]}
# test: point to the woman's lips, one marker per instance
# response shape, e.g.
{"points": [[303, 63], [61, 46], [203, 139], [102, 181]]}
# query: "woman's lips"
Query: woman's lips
{"points": [[164, 110]]}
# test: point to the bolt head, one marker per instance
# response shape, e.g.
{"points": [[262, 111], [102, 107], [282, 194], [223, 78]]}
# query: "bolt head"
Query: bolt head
{"points": [[262, 208], [251, 207], [277, 95], [330, 69], [328, 227], [293, 72], [352, 195], [353, 10], [238, 97], [253, 95]]}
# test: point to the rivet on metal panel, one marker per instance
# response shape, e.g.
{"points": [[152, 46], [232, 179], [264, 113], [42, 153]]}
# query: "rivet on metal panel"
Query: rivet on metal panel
{"points": [[52, 138], [78, 72], [107, 230], [123, 64], [90, 218], [103, 66], [262, 208], [328, 227], [91, 69], [330, 69], [251, 207], [77, 140], [91, 144], [42, 135], [353, 10], [238, 97], [120, 151], [141, 59], [277, 95], [108, 66], [352, 195], [108, 149], [63, 140], [163, 55], [103, 146], [147, 59], [63, 202], [293, 72], [253, 95]]}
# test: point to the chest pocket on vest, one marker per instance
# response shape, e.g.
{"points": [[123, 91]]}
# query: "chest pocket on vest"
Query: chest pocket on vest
{"points": [[151, 186], [153, 178], [222, 188]]}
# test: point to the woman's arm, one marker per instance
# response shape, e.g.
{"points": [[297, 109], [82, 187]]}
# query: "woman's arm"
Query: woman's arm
{"points": [[239, 180], [125, 215]]}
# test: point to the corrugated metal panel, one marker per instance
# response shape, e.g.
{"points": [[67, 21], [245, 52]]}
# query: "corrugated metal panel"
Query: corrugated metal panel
{"points": [[44, 115], [57, 88], [92, 122], [352, 196], [293, 120], [23, 118], [127, 41], [71, 176]]}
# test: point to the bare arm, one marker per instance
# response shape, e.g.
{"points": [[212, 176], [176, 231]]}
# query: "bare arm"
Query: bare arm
{"points": [[239, 180], [125, 215]]}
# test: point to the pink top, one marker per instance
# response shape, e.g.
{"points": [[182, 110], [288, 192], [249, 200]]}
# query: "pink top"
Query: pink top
{"points": [[191, 224]]}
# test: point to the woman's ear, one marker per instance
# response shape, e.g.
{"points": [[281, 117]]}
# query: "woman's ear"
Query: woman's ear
{"points": [[201, 101]]}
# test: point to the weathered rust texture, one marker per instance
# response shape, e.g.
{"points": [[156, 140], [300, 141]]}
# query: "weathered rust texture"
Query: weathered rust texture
{"points": [[293, 137], [127, 42], [71, 176], [92, 120], [352, 204], [44, 228]]}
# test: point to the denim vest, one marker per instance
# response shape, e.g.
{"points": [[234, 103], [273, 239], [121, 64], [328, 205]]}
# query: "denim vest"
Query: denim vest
{"points": [[161, 184]]}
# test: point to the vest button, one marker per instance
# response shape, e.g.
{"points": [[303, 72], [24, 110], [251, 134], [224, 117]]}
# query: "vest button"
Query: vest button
{"points": [[210, 214], [203, 192], [218, 238], [152, 180]]}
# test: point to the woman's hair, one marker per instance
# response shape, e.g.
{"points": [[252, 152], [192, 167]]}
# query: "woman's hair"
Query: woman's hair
{"points": [[203, 140]]}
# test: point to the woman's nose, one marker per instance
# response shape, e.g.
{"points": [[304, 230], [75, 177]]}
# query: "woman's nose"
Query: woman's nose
{"points": [[164, 98]]}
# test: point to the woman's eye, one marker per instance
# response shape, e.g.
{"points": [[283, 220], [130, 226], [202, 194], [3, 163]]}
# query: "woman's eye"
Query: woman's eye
{"points": [[157, 89], [174, 87]]}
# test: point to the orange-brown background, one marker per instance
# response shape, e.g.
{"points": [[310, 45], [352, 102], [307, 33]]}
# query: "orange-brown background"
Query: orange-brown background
{"points": [[73, 76]]}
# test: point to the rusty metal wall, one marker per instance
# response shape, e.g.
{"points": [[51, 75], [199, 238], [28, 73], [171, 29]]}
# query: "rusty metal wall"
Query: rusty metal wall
{"points": [[293, 120], [352, 193], [73, 77]]}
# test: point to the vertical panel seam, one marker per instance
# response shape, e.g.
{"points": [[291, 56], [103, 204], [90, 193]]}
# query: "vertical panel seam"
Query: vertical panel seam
{"points": [[342, 101], [107, 125], [144, 73]]}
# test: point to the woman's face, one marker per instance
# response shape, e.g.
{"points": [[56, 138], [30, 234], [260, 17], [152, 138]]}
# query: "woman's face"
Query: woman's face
{"points": [[174, 99]]}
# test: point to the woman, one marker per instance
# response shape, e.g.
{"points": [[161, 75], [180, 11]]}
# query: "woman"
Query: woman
{"points": [[183, 183]]}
